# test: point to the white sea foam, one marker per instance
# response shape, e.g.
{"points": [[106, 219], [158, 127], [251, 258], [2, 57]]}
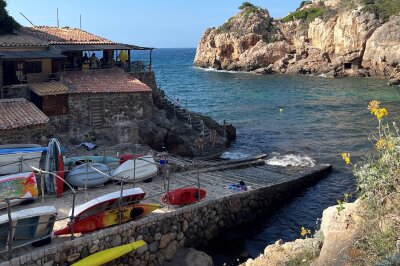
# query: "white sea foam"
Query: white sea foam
{"points": [[291, 160], [234, 155], [210, 69]]}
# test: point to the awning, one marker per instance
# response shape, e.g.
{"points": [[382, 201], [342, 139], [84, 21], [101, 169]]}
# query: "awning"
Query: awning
{"points": [[97, 47], [31, 54]]}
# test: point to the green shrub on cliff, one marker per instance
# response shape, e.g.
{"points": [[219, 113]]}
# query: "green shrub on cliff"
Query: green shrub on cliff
{"points": [[378, 179], [7, 23], [306, 15], [382, 8], [246, 5]]}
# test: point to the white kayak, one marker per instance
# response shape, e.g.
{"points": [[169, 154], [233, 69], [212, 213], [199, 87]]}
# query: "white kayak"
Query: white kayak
{"points": [[136, 170]]}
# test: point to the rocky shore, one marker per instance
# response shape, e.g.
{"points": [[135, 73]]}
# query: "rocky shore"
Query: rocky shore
{"points": [[330, 39], [331, 245]]}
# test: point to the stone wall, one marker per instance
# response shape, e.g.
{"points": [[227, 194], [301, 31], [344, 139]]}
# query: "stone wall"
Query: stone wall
{"points": [[122, 112], [166, 233], [18, 91], [147, 77], [31, 134]]}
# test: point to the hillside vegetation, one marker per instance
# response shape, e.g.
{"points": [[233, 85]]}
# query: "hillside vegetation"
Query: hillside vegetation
{"points": [[382, 8], [7, 23]]}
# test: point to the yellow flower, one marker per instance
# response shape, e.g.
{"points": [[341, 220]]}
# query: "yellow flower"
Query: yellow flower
{"points": [[380, 144], [380, 113], [373, 105], [346, 157], [303, 232]]}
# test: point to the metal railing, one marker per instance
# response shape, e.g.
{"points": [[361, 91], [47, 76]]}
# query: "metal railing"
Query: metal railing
{"points": [[165, 169]]}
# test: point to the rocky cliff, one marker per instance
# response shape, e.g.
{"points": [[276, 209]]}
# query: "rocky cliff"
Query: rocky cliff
{"points": [[316, 39]]}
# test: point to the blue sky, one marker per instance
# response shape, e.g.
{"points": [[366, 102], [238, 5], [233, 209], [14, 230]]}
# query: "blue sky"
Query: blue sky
{"points": [[154, 23]]}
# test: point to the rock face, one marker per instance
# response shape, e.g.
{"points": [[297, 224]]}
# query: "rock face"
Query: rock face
{"points": [[343, 43], [340, 230], [344, 35], [172, 127], [246, 41], [382, 53], [332, 245]]}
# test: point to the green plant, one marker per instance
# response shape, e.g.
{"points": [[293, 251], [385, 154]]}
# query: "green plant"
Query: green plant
{"points": [[303, 3], [378, 180], [341, 203], [246, 5], [382, 8], [307, 15], [7, 23]]}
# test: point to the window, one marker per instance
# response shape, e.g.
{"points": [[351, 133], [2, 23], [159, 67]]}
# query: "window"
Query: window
{"points": [[33, 67]]}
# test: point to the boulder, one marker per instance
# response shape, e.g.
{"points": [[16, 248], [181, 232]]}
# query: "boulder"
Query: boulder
{"points": [[340, 231], [190, 257]]}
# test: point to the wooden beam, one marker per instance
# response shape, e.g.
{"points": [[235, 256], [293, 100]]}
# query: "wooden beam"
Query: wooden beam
{"points": [[151, 51]]}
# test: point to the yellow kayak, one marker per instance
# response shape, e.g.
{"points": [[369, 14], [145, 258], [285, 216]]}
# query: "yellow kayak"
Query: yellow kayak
{"points": [[108, 255]]}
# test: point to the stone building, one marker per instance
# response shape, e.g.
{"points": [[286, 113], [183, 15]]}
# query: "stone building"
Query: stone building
{"points": [[20, 121], [80, 84]]}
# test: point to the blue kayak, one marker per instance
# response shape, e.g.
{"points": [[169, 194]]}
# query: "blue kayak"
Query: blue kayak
{"points": [[22, 150], [71, 161]]}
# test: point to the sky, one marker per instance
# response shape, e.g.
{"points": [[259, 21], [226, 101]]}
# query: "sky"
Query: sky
{"points": [[151, 23]]}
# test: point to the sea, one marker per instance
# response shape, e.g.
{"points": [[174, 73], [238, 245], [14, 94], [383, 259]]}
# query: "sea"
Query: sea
{"points": [[297, 120]]}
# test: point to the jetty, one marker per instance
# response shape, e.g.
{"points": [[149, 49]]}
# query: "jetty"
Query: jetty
{"points": [[170, 228]]}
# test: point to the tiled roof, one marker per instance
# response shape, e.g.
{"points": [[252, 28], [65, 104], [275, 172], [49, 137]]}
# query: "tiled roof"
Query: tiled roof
{"points": [[20, 39], [102, 80], [49, 88], [18, 113], [55, 35]]}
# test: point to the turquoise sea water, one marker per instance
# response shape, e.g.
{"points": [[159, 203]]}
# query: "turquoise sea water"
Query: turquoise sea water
{"points": [[320, 119]]}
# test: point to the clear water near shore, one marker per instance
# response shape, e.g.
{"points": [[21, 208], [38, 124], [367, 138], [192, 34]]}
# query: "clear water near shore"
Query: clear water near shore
{"points": [[295, 119]]}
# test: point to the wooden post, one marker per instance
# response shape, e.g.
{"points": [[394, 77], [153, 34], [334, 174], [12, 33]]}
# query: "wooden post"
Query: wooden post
{"points": [[129, 62], [151, 51]]}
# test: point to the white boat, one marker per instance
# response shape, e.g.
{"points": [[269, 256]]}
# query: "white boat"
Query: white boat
{"points": [[17, 158], [136, 170], [28, 226], [108, 202], [93, 174]]}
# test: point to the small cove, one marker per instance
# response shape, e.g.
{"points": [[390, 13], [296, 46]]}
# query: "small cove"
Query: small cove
{"points": [[300, 116]]}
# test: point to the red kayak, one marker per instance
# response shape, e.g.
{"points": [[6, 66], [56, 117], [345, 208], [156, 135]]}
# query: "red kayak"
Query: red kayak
{"points": [[109, 218], [126, 157], [183, 196]]}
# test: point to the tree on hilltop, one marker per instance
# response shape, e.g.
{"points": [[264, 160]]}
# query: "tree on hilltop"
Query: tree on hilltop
{"points": [[7, 23], [246, 5]]}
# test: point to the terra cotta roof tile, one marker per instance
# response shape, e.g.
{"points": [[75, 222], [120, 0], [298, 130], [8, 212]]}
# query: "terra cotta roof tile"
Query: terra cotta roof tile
{"points": [[20, 39], [18, 113], [112, 80], [55, 35], [49, 88]]}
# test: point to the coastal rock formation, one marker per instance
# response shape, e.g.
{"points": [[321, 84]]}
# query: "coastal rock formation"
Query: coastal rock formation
{"points": [[382, 53], [331, 245], [246, 41], [183, 133], [343, 35], [338, 41]]}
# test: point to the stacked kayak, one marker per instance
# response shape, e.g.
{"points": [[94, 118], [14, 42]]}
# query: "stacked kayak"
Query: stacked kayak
{"points": [[18, 158]]}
